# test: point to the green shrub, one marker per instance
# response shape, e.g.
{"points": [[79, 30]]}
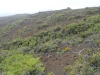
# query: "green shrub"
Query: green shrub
{"points": [[67, 49], [85, 66], [43, 26], [23, 50], [19, 64], [51, 73]]}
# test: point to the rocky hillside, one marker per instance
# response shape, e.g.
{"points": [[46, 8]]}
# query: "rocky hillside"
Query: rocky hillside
{"points": [[61, 42], [27, 24]]}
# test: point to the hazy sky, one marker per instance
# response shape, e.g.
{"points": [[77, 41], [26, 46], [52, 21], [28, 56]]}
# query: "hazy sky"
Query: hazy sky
{"points": [[10, 7]]}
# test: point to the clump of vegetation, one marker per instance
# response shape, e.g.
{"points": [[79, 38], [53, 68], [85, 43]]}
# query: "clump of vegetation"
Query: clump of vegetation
{"points": [[51, 73], [67, 49], [52, 38], [9, 27], [87, 64], [20, 64], [24, 29], [43, 26], [17, 56]]}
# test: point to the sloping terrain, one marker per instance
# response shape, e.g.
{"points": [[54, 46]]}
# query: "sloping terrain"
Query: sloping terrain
{"points": [[26, 25], [58, 38]]}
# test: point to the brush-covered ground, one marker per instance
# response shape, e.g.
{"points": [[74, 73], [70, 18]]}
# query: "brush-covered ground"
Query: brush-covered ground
{"points": [[61, 42]]}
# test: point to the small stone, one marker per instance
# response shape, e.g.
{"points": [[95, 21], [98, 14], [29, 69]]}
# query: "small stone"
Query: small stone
{"points": [[55, 58], [62, 65], [49, 55]]}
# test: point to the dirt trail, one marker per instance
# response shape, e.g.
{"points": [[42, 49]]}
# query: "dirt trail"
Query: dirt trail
{"points": [[55, 63]]}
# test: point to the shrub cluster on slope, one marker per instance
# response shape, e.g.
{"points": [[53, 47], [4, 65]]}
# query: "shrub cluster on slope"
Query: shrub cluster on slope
{"points": [[90, 65], [17, 56], [15, 63], [47, 41], [40, 21]]}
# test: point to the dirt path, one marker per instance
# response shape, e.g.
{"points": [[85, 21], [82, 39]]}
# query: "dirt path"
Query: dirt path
{"points": [[55, 63]]}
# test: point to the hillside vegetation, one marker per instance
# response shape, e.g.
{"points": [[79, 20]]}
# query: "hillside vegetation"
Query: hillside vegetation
{"points": [[23, 40]]}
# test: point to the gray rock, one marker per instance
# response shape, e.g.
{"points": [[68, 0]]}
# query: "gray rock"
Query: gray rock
{"points": [[49, 55], [4, 73], [38, 73], [27, 73]]}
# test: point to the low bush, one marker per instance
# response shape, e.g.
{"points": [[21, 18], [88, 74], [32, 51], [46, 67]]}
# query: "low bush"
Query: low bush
{"points": [[85, 66], [19, 64]]}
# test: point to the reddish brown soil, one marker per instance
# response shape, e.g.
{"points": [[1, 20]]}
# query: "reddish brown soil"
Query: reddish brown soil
{"points": [[55, 63]]}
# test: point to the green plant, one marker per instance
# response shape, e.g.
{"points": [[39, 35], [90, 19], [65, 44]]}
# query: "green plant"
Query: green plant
{"points": [[67, 49], [87, 66], [19, 64], [51, 73]]}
